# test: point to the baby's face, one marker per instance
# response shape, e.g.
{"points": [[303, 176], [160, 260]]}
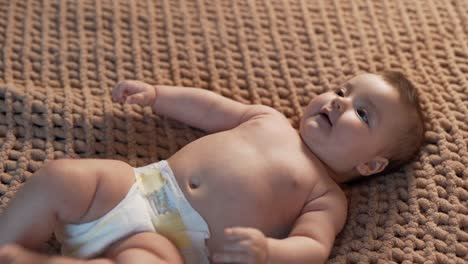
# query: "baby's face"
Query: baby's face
{"points": [[354, 123]]}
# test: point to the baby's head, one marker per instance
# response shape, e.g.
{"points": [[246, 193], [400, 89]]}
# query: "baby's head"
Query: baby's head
{"points": [[371, 124]]}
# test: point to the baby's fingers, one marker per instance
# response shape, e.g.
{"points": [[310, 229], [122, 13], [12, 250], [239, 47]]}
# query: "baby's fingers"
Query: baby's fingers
{"points": [[120, 91], [238, 246], [126, 87], [238, 233], [116, 94], [137, 99], [231, 257]]}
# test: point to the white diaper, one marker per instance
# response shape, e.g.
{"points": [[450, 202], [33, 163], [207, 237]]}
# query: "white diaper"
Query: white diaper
{"points": [[155, 203]]}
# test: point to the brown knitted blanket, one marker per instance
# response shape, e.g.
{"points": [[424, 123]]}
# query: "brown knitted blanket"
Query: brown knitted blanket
{"points": [[59, 61]]}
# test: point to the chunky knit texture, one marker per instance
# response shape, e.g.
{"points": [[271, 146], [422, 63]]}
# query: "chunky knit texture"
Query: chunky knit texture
{"points": [[59, 60]]}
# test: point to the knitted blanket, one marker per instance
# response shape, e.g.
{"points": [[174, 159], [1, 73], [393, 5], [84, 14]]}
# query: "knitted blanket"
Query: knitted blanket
{"points": [[59, 60]]}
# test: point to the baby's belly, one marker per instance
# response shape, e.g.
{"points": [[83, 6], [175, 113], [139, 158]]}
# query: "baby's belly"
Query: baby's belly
{"points": [[225, 199]]}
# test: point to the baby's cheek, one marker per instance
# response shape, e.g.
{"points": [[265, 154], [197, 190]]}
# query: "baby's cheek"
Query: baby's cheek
{"points": [[351, 123], [313, 104], [349, 131]]}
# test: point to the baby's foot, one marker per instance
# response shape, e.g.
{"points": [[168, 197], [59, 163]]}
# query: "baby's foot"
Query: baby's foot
{"points": [[15, 254]]}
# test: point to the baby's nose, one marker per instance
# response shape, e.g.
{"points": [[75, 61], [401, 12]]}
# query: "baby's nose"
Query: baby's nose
{"points": [[337, 104]]}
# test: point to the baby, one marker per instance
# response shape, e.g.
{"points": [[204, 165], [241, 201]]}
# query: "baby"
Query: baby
{"points": [[255, 190]]}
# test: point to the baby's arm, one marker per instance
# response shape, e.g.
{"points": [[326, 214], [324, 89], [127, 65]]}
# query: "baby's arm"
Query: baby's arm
{"points": [[193, 106], [314, 232], [310, 241]]}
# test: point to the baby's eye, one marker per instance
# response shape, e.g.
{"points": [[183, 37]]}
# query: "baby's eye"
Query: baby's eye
{"points": [[340, 92], [363, 115]]}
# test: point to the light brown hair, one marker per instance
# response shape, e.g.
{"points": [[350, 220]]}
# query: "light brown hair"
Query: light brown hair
{"points": [[410, 138]]}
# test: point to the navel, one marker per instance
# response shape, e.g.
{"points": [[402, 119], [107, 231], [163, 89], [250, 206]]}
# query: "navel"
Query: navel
{"points": [[194, 182]]}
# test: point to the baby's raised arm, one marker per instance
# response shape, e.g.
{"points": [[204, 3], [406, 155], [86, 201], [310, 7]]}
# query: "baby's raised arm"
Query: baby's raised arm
{"points": [[196, 107]]}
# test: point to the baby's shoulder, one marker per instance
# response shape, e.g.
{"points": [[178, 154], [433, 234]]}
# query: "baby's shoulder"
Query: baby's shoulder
{"points": [[263, 113], [326, 190], [269, 121], [330, 198], [326, 184], [326, 207]]}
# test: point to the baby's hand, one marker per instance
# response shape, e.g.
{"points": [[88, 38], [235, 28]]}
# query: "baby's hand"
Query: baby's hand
{"points": [[243, 245], [134, 92]]}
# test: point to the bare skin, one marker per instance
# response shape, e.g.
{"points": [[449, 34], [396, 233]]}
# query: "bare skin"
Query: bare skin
{"points": [[256, 181], [75, 191]]}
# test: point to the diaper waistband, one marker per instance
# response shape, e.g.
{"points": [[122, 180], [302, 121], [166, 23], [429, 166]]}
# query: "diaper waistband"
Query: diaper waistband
{"points": [[171, 213]]}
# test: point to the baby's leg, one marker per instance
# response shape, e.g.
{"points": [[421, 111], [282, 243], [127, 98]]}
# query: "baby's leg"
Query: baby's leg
{"points": [[141, 248], [15, 254], [63, 191]]}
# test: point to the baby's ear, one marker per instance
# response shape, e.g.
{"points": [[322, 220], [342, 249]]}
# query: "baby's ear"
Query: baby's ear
{"points": [[373, 166]]}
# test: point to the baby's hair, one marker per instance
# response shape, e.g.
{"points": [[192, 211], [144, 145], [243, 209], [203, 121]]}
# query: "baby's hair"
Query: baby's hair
{"points": [[410, 138]]}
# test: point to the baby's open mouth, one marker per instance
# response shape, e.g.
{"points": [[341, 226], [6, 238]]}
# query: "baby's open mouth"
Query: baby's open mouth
{"points": [[325, 116]]}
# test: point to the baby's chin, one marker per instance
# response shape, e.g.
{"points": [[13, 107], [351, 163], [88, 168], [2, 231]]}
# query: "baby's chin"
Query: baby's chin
{"points": [[305, 137]]}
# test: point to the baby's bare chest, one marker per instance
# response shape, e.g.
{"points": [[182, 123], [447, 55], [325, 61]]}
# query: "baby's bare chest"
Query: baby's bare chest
{"points": [[250, 160], [231, 165], [236, 181]]}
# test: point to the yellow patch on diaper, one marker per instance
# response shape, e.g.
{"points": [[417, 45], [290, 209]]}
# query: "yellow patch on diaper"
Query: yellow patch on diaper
{"points": [[168, 222], [172, 226], [150, 181]]}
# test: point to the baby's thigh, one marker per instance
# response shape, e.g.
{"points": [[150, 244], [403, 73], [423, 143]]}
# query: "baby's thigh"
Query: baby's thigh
{"points": [[145, 247], [87, 188], [113, 181]]}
